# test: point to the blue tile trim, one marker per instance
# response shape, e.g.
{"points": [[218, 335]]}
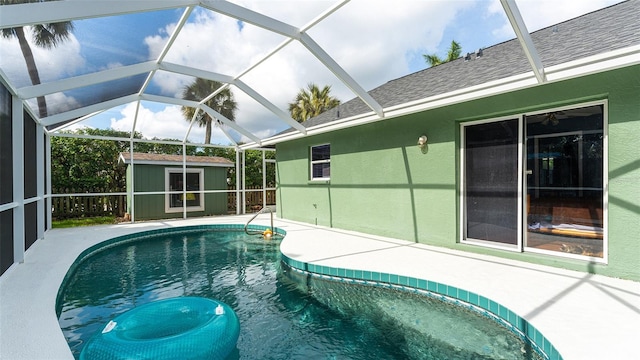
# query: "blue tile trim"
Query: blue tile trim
{"points": [[478, 303]]}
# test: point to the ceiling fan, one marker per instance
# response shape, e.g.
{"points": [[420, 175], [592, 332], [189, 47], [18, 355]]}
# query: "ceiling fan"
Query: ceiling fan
{"points": [[551, 118]]}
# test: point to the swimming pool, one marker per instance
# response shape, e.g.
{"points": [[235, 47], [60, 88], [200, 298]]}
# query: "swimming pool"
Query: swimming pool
{"points": [[284, 312]]}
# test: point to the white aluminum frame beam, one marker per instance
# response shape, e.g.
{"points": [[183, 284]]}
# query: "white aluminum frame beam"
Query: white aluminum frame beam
{"points": [[47, 12], [265, 22], [226, 133], [251, 17], [55, 11], [341, 74], [69, 123], [165, 50], [232, 124], [270, 106], [169, 100], [47, 155], [190, 71], [40, 181], [513, 14], [33, 91], [17, 134], [185, 70], [72, 114]]}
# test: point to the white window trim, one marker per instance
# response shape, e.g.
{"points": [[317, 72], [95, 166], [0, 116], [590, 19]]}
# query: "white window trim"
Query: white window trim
{"points": [[312, 162], [168, 193], [521, 229]]}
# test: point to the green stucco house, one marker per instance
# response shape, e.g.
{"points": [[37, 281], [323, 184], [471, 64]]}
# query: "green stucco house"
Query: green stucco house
{"points": [[156, 188], [484, 155]]}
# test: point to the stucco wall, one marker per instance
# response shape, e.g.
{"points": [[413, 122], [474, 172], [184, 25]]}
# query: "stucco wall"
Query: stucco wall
{"points": [[381, 182]]}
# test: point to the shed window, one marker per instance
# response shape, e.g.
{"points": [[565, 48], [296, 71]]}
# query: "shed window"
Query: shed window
{"points": [[321, 162], [178, 195]]}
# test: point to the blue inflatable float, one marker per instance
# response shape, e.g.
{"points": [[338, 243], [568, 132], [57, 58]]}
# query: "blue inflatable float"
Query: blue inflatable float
{"points": [[190, 328]]}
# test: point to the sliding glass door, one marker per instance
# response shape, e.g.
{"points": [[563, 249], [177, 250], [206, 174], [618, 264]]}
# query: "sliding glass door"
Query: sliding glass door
{"points": [[491, 182], [537, 182]]}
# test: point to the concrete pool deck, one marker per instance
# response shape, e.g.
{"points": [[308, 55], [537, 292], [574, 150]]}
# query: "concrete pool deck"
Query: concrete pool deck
{"points": [[584, 316]]}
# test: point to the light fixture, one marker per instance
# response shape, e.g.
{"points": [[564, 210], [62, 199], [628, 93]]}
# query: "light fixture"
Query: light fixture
{"points": [[422, 142], [550, 118]]}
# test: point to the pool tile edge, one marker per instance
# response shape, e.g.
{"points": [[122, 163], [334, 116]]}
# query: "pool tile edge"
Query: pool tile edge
{"points": [[478, 303]]}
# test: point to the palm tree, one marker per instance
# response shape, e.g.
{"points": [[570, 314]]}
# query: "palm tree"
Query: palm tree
{"points": [[313, 102], [223, 102], [45, 36], [453, 53]]}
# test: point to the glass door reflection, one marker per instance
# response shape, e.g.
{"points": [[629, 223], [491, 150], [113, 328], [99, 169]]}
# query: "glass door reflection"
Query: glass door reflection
{"points": [[564, 199]]}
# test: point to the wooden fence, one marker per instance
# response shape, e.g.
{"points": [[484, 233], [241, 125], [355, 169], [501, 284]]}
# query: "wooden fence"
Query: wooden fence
{"points": [[254, 199], [73, 207]]}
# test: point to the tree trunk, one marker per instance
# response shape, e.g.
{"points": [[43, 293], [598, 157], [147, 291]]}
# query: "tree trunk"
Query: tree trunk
{"points": [[207, 134], [31, 68]]}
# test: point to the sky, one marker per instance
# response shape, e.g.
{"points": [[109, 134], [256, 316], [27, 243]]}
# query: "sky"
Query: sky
{"points": [[372, 40]]}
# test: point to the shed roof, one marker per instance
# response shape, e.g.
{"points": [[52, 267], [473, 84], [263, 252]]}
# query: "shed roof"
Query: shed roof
{"points": [[577, 42], [164, 159]]}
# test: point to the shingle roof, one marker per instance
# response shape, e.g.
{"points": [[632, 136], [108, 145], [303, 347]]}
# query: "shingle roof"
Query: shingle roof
{"points": [[611, 28], [163, 159]]}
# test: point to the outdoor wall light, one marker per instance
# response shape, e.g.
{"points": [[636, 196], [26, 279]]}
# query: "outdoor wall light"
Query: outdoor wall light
{"points": [[422, 141]]}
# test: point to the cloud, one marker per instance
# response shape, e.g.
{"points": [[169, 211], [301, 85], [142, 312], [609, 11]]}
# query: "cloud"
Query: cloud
{"points": [[163, 123], [373, 41], [368, 39], [61, 102], [61, 61], [56, 103], [538, 14]]}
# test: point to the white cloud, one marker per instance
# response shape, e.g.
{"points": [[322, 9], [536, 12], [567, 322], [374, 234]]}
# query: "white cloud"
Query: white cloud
{"points": [[59, 102], [373, 41], [61, 61], [542, 13], [167, 123], [56, 103], [368, 39], [538, 14]]}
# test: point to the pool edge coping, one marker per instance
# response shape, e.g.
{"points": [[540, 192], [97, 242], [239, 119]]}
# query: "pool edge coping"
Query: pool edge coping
{"points": [[451, 294]]}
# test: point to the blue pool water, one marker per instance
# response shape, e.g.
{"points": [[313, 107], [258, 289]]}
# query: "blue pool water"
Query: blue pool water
{"points": [[283, 314]]}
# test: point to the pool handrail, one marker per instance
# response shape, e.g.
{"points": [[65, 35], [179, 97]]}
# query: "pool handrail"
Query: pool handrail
{"points": [[263, 210]]}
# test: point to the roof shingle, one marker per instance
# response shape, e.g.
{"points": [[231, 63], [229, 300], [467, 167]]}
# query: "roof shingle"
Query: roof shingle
{"points": [[607, 29], [145, 158]]}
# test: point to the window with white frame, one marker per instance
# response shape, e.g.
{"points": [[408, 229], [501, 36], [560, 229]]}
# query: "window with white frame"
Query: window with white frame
{"points": [[321, 162], [181, 193]]}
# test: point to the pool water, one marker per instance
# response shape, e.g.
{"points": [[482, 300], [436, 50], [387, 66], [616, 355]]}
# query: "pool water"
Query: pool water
{"points": [[283, 314]]}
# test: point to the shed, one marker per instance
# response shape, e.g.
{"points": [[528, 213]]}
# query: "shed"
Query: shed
{"points": [[159, 189]]}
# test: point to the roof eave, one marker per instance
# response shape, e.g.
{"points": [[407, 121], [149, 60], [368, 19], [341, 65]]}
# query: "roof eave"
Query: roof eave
{"points": [[176, 163], [616, 59]]}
